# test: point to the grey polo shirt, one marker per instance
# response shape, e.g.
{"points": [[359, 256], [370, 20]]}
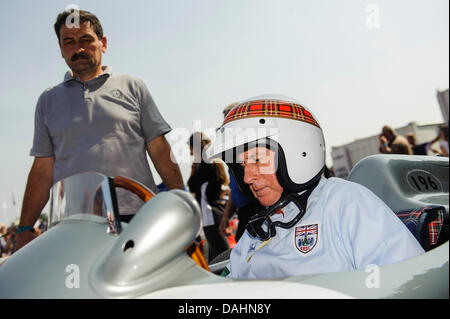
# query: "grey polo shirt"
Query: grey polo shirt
{"points": [[101, 126]]}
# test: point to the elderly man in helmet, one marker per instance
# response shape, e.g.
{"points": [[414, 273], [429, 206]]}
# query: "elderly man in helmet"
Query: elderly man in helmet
{"points": [[276, 151]]}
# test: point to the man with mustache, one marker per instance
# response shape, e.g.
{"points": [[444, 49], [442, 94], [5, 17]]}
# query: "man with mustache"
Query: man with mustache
{"points": [[95, 120]]}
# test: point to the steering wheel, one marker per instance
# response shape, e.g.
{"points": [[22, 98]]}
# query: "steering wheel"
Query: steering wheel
{"points": [[140, 190], [193, 250]]}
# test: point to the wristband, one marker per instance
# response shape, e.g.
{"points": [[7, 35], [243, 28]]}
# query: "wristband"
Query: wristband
{"points": [[385, 144], [21, 229]]}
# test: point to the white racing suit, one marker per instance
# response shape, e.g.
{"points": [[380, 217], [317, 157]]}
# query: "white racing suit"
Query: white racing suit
{"points": [[345, 227]]}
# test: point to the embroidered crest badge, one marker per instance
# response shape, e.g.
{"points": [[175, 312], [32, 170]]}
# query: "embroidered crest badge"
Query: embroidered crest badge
{"points": [[306, 237]]}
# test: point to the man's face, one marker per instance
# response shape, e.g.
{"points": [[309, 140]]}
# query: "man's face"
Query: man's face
{"points": [[386, 134], [410, 139], [260, 175], [81, 48]]}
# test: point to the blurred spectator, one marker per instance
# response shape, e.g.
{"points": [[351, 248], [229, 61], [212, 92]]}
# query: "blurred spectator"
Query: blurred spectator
{"points": [[391, 143], [443, 141], [2, 239], [418, 149], [206, 183], [42, 223], [10, 239]]}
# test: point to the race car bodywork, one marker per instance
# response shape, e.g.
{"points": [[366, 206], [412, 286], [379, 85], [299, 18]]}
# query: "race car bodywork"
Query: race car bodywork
{"points": [[87, 253]]}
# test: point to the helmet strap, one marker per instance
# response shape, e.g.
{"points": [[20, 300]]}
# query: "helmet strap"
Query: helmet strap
{"points": [[255, 225]]}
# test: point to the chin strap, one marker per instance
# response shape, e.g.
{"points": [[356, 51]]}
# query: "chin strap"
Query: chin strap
{"points": [[256, 222]]}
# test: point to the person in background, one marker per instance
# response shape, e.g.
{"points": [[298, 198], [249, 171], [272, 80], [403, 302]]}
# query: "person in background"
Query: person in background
{"points": [[422, 149], [418, 149], [442, 137], [2, 239], [206, 182], [11, 240], [392, 143]]}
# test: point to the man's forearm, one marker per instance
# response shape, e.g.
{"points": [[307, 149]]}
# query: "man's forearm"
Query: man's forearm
{"points": [[161, 155], [171, 175], [36, 194]]}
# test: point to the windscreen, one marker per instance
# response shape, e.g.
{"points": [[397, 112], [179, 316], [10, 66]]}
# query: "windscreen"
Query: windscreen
{"points": [[91, 194], [77, 194]]}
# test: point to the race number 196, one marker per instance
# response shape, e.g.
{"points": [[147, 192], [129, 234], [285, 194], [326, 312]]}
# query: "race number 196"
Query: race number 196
{"points": [[423, 181]]}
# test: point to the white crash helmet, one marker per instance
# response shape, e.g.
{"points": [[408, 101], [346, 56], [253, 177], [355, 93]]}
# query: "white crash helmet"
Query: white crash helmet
{"points": [[281, 123]]}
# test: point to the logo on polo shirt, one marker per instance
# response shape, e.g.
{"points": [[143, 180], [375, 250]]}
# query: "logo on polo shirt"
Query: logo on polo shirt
{"points": [[306, 237], [116, 93]]}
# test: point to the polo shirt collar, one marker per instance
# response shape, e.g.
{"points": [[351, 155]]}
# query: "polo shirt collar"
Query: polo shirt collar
{"points": [[106, 72]]}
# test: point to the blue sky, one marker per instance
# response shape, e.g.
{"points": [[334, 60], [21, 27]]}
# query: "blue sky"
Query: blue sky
{"points": [[197, 56]]}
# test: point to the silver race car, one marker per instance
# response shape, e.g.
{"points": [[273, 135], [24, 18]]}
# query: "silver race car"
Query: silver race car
{"points": [[88, 253]]}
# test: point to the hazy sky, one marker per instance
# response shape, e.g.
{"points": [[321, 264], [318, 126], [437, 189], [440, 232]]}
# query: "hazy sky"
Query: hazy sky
{"points": [[357, 64]]}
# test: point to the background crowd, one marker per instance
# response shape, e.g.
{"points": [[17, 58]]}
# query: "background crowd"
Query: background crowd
{"points": [[393, 143], [8, 235]]}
